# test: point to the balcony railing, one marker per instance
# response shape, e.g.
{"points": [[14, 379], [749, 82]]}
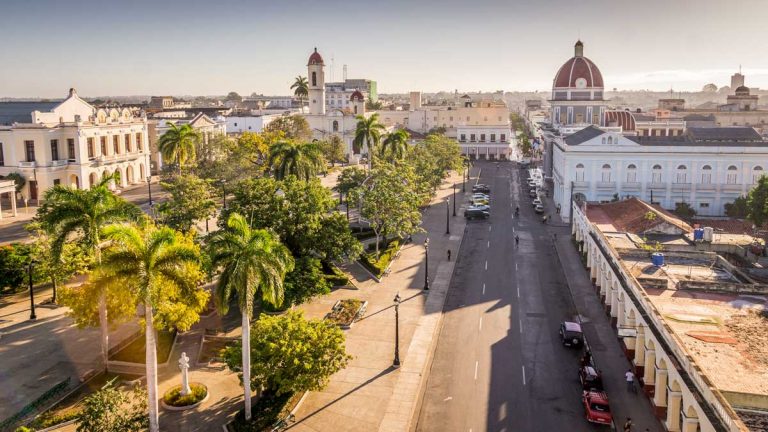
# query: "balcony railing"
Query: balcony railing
{"points": [[59, 163], [27, 164]]}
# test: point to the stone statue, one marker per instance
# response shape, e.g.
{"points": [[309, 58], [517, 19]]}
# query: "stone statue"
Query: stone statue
{"points": [[184, 366]]}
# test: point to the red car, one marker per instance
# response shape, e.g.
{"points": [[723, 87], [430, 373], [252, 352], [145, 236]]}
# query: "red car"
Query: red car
{"points": [[596, 407]]}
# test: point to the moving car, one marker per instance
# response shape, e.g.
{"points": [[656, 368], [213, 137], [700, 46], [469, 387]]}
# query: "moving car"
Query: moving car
{"points": [[596, 407], [539, 208], [481, 188], [571, 334], [590, 378], [476, 213]]}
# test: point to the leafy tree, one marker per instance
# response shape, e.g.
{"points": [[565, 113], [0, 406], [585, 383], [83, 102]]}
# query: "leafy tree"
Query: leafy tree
{"points": [[79, 215], [350, 178], [438, 130], [373, 106], [295, 127], [190, 201], [73, 260], [234, 97], [178, 144], [253, 262], [114, 410], [684, 210], [333, 240], [14, 259], [333, 149], [525, 145], [18, 180], [396, 144], [757, 203], [367, 133], [737, 209], [305, 281], [291, 354], [302, 160], [300, 89], [162, 267]]}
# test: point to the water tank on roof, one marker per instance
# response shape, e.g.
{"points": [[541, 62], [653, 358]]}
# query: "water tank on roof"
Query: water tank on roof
{"points": [[657, 259], [708, 234], [698, 234]]}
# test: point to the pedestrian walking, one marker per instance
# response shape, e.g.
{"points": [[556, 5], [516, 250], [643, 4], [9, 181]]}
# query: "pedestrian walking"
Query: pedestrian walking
{"points": [[449, 254], [630, 377], [517, 240], [628, 425]]}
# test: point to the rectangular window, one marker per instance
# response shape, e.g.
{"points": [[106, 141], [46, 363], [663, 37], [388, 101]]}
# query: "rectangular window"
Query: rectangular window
{"points": [[55, 150], [103, 145], [116, 143], [493, 137], [127, 143], [656, 177], [606, 176], [706, 178], [2, 155], [730, 178], [472, 137], [703, 205], [56, 182], [71, 149], [463, 137], [29, 148], [482, 137], [91, 148], [631, 176], [139, 145]]}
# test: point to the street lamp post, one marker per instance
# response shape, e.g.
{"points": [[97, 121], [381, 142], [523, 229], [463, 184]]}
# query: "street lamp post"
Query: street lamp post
{"points": [[426, 266], [454, 199], [396, 362], [447, 216], [32, 315], [465, 177], [149, 189]]}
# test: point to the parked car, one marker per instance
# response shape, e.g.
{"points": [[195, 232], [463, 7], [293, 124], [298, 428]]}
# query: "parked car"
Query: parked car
{"points": [[571, 334], [484, 207], [539, 208], [481, 188], [476, 213], [596, 407], [532, 193], [536, 202], [479, 201], [480, 195], [590, 378]]}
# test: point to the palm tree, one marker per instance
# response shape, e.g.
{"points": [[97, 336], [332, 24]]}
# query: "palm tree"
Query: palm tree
{"points": [[254, 262], [178, 143], [79, 215], [301, 89], [368, 132], [304, 160], [396, 142], [150, 260]]}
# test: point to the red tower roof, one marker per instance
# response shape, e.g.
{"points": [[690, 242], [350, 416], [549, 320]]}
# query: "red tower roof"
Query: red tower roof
{"points": [[575, 68], [315, 58], [356, 95]]}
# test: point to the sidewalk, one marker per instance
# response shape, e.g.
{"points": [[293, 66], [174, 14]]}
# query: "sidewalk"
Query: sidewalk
{"points": [[369, 394]]}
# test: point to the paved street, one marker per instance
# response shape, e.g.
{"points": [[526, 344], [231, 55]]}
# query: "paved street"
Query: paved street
{"points": [[499, 364]]}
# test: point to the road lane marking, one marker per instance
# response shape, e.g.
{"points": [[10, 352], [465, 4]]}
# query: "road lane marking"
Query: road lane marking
{"points": [[486, 264], [480, 327], [518, 291], [483, 289], [489, 229], [521, 326], [476, 365], [489, 243], [515, 266], [523, 375]]}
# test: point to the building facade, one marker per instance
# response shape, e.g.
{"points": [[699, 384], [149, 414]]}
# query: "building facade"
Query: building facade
{"points": [[206, 126], [74, 144]]}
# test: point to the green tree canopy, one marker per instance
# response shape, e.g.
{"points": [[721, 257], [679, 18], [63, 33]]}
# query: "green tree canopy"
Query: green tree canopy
{"points": [[395, 145], [179, 143], [292, 354], [14, 259], [114, 410], [300, 88], [737, 209], [757, 203], [333, 149], [350, 178], [191, 200], [367, 134], [295, 127], [303, 160]]}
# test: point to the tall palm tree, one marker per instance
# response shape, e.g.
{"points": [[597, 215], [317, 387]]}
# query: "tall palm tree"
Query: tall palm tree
{"points": [[301, 89], [178, 143], [368, 133], [396, 142], [304, 160], [79, 215], [150, 260], [254, 262]]}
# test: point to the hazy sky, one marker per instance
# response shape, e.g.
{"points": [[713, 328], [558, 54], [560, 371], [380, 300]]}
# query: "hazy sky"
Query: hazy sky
{"points": [[109, 47]]}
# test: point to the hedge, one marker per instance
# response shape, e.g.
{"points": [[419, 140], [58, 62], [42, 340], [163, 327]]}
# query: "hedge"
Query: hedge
{"points": [[379, 266]]}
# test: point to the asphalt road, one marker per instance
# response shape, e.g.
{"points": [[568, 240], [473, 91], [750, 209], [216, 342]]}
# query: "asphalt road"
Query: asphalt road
{"points": [[499, 364]]}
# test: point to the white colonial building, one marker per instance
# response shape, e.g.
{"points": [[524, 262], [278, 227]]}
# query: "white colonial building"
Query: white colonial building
{"points": [[207, 127], [74, 144], [705, 168]]}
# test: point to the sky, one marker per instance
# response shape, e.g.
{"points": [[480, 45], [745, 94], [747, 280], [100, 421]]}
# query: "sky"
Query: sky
{"points": [[194, 47]]}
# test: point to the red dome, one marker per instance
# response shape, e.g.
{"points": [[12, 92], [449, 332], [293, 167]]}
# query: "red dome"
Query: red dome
{"points": [[575, 68], [315, 58], [356, 95]]}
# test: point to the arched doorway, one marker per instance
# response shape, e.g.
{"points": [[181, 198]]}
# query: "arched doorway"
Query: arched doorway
{"points": [[92, 179], [74, 181], [142, 175], [129, 175]]}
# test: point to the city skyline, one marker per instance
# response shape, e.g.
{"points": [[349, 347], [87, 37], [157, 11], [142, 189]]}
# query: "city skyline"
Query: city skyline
{"points": [[404, 46]]}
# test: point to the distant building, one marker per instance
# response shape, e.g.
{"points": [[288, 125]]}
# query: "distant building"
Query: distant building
{"points": [[338, 95], [206, 126], [239, 123], [74, 144], [577, 93]]}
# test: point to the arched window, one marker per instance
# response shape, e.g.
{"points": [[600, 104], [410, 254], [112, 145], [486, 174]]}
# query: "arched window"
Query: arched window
{"points": [[706, 174], [314, 79], [335, 125], [682, 174], [606, 175], [656, 174], [631, 173], [603, 140], [580, 173], [610, 140], [732, 175], [757, 172]]}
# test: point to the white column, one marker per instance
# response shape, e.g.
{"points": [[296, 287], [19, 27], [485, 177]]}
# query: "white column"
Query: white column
{"points": [[13, 203], [649, 373], [621, 314], [690, 425], [640, 347], [660, 394], [673, 411], [615, 300]]}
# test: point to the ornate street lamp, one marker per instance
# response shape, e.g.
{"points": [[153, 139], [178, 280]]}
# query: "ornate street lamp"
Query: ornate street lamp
{"points": [[32, 315], [149, 189], [396, 361], [447, 216], [426, 266]]}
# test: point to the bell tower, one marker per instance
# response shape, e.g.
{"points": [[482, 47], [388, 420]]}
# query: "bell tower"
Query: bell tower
{"points": [[316, 78]]}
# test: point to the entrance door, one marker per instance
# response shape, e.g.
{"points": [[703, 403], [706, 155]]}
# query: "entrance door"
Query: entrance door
{"points": [[33, 190]]}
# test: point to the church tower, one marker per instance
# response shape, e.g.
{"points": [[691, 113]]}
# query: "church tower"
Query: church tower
{"points": [[316, 78]]}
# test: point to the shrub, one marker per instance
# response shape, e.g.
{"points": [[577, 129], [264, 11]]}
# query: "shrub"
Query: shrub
{"points": [[48, 419], [345, 312], [377, 266], [174, 398], [266, 412]]}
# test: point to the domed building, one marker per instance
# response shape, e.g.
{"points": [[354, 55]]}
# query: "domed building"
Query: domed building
{"points": [[740, 100], [577, 93]]}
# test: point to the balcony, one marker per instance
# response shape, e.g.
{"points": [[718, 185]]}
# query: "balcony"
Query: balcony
{"points": [[706, 187], [656, 186], [631, 186], [59, 163], [605, 185], [731, 187], [28, 164]]}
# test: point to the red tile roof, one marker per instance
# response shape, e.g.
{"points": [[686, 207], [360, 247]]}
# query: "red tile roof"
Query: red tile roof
{"points": [[629, 216]]}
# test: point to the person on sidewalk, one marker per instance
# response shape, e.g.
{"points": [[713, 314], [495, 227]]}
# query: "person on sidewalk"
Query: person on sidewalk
{"points": [[517, 239], [449, 254], [628, 425], [630, 377]]}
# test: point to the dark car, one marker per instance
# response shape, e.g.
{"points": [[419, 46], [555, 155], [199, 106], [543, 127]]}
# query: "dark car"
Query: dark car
{"points": [[476, 213], [590, 378], [481, 188], [571, 334]]}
